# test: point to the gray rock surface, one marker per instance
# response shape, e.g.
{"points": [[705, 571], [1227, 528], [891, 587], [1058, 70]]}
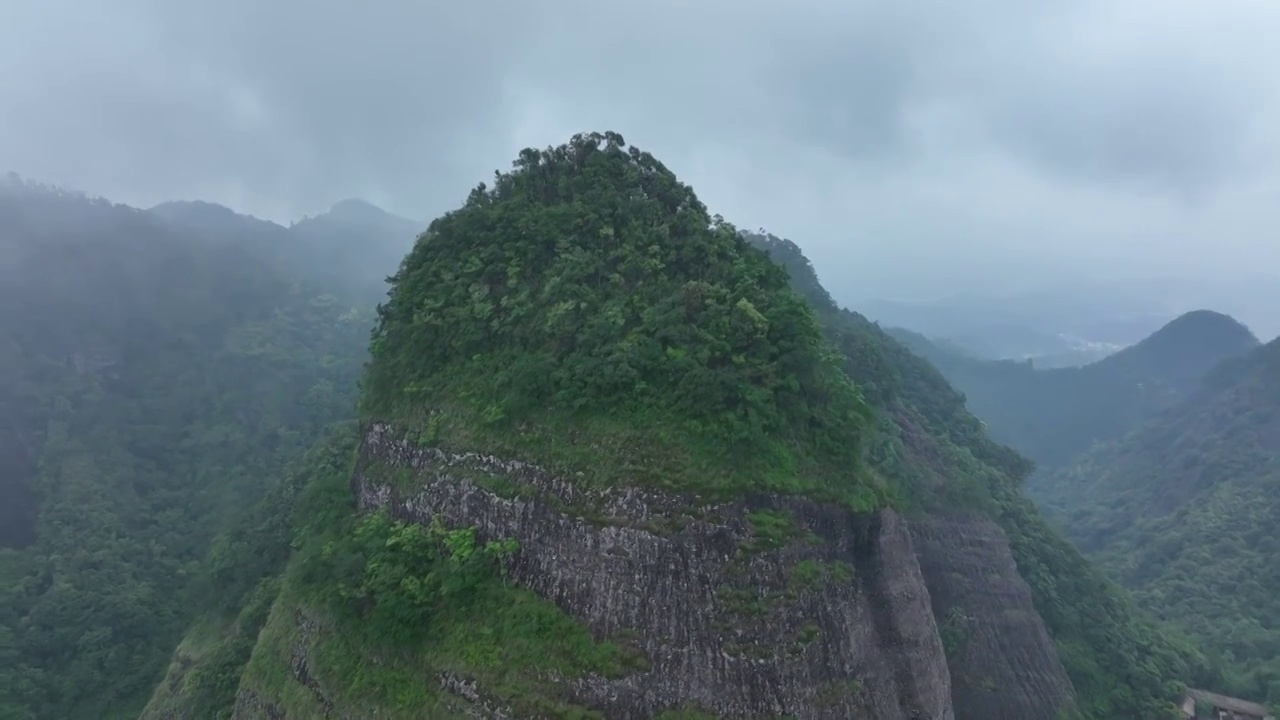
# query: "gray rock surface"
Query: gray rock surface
{"points": [[836, 622], [1004, 665]]}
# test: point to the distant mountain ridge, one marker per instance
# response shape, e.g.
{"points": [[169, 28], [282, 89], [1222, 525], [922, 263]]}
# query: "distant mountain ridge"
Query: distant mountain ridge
{"points": [[1053, 327], [1185, 349], [1051, 415], [1162, 463], [353, 243], [1042, 320], [1183, 511]]}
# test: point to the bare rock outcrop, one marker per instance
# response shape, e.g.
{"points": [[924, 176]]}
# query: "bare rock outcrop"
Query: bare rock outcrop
{"points": [[1004, 665], [834, 621]]}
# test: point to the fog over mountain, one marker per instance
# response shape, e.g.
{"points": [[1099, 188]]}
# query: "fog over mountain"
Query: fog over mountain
{"points": [[923, 151]]}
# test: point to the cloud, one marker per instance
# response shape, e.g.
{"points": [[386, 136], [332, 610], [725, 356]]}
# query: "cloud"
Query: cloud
{"points": [[908, 147]]}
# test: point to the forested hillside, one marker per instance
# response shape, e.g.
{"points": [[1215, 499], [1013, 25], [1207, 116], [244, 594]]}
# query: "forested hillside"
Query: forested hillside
{"points": [[155, 379], [523, 332], [1183, 511], [166, 371], [1051, 415], [1120, 663]]}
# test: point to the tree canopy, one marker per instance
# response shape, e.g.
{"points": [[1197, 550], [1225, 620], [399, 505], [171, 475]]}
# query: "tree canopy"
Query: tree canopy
{"points": [[588, 285]]}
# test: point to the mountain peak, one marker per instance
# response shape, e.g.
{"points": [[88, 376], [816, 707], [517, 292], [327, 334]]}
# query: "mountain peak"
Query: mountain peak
{"points": [[207, 217], [1188, 346], [1170, 508], [361, 215], [172, 208], [588, 281], [357, 209], [1207, 322]]}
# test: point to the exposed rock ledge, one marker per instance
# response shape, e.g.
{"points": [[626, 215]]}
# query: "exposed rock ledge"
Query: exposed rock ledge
{"points": [[653, 564]]}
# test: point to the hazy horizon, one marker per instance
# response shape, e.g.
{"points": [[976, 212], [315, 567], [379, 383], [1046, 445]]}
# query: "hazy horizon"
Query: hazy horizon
{"points": [[917, 151], [1158, 298]]}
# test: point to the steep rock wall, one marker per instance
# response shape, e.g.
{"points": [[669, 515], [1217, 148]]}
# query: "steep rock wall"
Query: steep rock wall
{"points": [[726, 624], [1004, 665]]}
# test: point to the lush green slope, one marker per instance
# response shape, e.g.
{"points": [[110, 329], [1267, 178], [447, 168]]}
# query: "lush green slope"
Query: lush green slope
{"points": [[241, 580], [1052, 415], [1120, 664], [153, 383], [1183, 512], [589, 290]]}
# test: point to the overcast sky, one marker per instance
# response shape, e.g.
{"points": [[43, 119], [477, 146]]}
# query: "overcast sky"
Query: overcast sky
{"points": [[901, 144]]}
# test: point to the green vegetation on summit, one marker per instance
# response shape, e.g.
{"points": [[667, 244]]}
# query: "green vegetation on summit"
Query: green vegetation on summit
{"points": [[1183, 511], [586, 301], [1052, 415]]}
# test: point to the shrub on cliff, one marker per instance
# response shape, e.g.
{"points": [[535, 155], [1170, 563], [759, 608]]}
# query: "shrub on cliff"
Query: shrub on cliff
{"points": [[588, 301], [396, 576]]}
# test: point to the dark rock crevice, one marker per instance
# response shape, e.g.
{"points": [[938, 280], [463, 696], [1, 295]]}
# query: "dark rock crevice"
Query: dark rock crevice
{"points": [[1004, 665]]}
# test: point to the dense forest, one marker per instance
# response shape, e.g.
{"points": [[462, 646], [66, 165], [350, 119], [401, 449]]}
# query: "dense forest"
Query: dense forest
{"points": [[180, 406], [154, 381], [1051, 415], [520, 325], [1183, 511]]}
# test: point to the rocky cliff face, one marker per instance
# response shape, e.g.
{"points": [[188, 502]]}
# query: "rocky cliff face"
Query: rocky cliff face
{"points": [[817, 613], [1003, 662]]}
